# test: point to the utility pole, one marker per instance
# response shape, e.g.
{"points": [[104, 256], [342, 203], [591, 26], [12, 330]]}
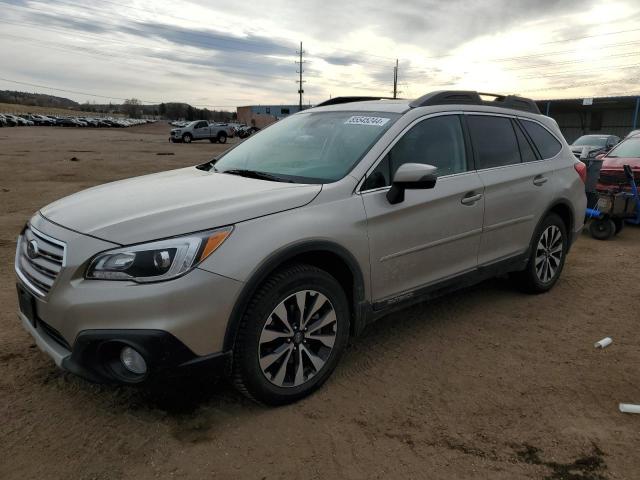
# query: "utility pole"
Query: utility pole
{"points": [[300, 81], [395, 80]]}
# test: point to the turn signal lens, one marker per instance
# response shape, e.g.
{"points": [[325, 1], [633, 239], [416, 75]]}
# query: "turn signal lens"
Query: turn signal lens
{"points": [[213, 242]]}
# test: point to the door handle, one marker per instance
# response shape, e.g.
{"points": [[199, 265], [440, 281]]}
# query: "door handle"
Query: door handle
{"points": [[540, 180], [471, 198]]}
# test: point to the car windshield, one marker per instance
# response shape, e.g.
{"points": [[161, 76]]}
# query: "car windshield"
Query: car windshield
{"points": [[309, 147], [628, 149], [591, 140]]}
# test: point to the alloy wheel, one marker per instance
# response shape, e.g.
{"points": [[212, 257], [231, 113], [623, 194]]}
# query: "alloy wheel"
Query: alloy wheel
{"points": [[549, 253], [297, 338]]}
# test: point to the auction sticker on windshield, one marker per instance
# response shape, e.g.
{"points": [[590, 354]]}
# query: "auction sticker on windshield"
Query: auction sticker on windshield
{"points": [[361, 120]]}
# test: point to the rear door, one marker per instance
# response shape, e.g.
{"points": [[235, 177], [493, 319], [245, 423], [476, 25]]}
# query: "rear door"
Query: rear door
{"points": [[516, 182], [433, 234]]}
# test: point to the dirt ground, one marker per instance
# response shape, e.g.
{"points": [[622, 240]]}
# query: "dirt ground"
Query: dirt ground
{"points": [[485, 383]]}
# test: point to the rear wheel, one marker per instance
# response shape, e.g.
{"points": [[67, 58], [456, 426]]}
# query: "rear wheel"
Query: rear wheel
{"points": [[222, 137], [546, 260], [602, 228], [292, 335]]}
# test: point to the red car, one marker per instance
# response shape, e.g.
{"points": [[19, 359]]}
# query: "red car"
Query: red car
{"points": [[612, 176]]}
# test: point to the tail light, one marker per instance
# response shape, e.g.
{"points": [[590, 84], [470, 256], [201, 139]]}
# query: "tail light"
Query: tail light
{"points": [[581, 168]]}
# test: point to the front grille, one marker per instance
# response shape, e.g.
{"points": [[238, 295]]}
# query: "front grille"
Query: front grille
{"points": [[612, 177], [618, 177], [38, 266]]}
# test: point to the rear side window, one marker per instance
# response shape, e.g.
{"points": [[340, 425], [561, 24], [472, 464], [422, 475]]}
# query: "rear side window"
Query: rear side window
{"points": [[526, 151], [494, 141], [547, 144]]}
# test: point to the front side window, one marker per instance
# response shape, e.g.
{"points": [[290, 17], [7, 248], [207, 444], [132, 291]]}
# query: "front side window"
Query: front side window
{"points": [[437, 141], [309, 147], [547, 144], [494, 141]]}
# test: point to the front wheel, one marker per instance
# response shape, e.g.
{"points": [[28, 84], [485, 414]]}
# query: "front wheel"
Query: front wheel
{"points": [[292, 335], [546, 259], [186, 138]]}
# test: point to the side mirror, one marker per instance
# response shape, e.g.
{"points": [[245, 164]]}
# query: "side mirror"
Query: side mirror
{"points": [[411, 176]]}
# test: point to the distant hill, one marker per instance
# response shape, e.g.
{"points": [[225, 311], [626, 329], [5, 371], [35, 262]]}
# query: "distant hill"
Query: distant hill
{"points": [[132, 107], [36, 99]]}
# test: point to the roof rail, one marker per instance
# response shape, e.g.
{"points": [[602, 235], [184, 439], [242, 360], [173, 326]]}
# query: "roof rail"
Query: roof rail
{"points": [[340, 100], [471, 97]]}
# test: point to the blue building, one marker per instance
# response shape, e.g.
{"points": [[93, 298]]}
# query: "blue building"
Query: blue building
{"points": [[263, 115]]}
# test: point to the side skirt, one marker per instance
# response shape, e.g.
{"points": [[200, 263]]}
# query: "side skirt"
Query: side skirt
{"points": [[429, 292]]}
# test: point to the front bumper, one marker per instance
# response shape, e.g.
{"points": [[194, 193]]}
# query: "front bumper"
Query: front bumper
{"points": [[177, 323], [95, 353]]}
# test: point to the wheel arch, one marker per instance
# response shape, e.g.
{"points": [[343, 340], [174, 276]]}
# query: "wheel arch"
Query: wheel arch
{"points": [[328, 256], [564, 210]]}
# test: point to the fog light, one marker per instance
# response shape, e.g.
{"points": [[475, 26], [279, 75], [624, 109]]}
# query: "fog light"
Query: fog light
{"points": [[133, 361]]}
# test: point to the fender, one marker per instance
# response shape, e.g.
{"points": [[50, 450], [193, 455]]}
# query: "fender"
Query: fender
{"points": [[564, 203], [360, 306]]}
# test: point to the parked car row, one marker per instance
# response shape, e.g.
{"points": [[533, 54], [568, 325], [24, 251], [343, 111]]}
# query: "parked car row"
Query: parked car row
{"points": [[9, 120]]}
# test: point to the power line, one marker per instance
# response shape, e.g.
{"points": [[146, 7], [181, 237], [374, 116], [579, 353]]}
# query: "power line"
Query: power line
{"points": [[71, 91], [208, 35], [409, 69]]}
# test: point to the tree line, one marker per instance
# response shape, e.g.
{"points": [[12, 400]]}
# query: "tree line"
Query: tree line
{"points": [[132, 107]]}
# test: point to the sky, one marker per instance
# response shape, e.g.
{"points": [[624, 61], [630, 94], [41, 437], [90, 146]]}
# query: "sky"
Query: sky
{"points": [[221, 55]]}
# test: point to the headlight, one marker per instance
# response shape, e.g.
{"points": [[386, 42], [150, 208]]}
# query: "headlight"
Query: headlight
{"points": [[157, 261]]}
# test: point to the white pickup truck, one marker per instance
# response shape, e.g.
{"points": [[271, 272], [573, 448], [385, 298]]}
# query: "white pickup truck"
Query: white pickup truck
{"points": [[200, 130]]}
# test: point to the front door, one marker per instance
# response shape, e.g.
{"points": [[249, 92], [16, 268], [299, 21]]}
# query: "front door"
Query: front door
{"points": [[433, 234], [201, 130]]}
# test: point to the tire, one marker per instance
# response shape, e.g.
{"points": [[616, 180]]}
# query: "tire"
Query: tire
{"points": [[268, 351], [547, 256], [602, 229], [186, 138], [213, 140], [619, 223], [222, 137]]}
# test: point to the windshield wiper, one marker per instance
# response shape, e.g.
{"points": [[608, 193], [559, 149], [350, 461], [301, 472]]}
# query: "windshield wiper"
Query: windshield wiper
{"points": [[256, 174]]}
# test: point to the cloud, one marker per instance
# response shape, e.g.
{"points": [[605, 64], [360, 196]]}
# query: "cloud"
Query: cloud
{"points": [[192, 50]]}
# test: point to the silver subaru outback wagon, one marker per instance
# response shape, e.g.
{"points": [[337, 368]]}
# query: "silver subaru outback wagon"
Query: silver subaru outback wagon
{"points": [[262, 263]]}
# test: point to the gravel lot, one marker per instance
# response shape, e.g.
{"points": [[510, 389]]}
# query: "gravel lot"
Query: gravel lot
{"points": [[485, 383]]}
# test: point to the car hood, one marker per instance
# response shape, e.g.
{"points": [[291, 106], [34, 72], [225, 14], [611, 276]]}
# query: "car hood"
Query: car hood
{"points": [[617, 163], [173, 203], [590, 148]]}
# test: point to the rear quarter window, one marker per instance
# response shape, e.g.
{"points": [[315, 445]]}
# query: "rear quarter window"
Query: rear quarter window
{"points": [[547, 144]]}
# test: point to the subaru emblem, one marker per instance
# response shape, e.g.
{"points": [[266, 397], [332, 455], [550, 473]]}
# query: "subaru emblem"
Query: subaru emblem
{"points": [[32, 249]]}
